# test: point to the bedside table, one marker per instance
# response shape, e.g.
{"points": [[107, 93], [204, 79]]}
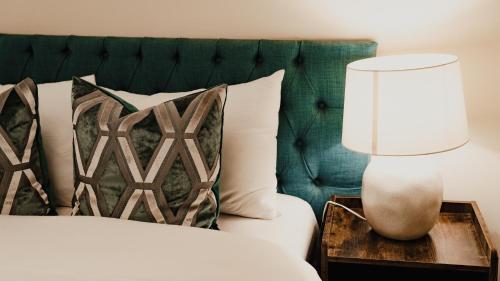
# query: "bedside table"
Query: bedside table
{"points": [[457, 248]]}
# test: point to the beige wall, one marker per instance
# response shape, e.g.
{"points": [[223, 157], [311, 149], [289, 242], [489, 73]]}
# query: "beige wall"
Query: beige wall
{"points": [[467, 28]]}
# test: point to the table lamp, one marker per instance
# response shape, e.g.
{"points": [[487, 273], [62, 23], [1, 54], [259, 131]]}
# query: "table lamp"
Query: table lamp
{"points": [[396, 108]]}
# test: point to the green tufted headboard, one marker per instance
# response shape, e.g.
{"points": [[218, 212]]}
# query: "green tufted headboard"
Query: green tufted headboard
{"points": [[312, 164]]}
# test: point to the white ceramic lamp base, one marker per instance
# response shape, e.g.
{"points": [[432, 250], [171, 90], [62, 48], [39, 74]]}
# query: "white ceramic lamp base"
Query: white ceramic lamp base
{"points": [[401, 196]]}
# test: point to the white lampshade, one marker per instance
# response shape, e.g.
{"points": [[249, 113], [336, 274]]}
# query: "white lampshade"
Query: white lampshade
{"points": [[404, 105]]}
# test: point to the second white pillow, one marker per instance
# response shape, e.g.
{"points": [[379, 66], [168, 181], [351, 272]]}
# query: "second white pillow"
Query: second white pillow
{"points": [[54, 102], [249, 144]]}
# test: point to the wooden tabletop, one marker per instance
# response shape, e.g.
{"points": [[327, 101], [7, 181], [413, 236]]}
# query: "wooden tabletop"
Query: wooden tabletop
{"points": [[459, 240]]}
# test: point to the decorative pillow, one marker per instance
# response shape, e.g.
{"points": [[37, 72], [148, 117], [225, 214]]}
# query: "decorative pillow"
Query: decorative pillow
{"points": [[24, 183], [249, 147], [54, 107], [159, 164], [57, 134]]}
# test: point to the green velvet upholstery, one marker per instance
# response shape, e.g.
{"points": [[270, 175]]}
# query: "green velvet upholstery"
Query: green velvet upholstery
{"points": [[24, 184], [312, 164], [159, 164]]}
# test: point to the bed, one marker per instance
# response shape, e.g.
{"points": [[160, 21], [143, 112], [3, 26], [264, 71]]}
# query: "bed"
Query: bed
{"points": [[311, 164], [295, 229]]}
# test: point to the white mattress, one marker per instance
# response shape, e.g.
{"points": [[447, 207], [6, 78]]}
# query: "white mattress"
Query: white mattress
{"points": [[65, 248], [294, 230]]}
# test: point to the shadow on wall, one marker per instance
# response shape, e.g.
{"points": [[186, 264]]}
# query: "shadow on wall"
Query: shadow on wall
{"points": [[471, 173]]}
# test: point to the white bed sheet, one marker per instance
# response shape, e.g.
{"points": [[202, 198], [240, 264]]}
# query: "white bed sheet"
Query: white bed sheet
{"points": [[65, 248], [295, 229]]}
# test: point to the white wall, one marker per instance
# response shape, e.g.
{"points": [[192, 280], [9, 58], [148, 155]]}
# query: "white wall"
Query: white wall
{"points": [[467, 28]]}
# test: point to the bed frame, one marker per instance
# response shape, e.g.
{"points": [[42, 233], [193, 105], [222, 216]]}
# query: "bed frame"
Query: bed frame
{"points": [[311, 164]]}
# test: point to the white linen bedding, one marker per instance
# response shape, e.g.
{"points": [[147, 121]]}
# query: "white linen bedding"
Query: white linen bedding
{"points": [[295, 228], [92, 248]]}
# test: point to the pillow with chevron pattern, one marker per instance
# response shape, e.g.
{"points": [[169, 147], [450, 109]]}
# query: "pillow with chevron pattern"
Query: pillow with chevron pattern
{"points": [[160, 164], [24, 185]]}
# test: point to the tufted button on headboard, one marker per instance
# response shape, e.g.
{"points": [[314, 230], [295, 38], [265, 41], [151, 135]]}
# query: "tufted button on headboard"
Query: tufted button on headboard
{"points": [[311, 164]]}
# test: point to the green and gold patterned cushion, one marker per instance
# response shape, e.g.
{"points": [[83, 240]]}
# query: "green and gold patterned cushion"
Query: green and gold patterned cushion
{"points": [[23, 177], [160, 164]]}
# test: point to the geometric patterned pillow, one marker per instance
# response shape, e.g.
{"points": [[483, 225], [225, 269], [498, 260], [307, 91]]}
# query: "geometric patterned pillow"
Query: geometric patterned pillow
{"points": [[160, 164], [23, 176]]}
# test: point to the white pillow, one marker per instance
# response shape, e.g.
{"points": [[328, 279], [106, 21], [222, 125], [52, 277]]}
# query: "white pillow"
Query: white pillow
{"points": [[249, 144], [55, 109]]}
